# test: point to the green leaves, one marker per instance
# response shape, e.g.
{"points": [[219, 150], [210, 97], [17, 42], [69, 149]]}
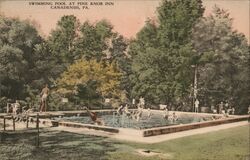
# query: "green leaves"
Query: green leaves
{"points": [[106, 77], [17, 41], [176, 19], [222, 57], [162, 53], [88, 61]]}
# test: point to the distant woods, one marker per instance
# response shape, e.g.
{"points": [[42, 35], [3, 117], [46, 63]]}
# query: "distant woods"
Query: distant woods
{"points": [[88, 62]]}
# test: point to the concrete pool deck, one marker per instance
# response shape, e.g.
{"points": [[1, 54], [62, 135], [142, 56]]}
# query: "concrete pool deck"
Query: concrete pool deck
{"points": [[82, 112]]}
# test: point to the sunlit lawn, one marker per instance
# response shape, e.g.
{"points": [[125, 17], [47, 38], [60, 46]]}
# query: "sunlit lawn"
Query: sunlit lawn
{"points": [[229, 144]]}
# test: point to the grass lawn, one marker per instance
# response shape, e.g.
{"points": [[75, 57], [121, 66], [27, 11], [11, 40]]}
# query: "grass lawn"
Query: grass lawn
{"points": [[229, 144]]}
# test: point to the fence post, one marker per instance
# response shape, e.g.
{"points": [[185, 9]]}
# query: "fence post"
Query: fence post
{"points": [[14, 125], [4, 124], [37, 126], [27, 121]]}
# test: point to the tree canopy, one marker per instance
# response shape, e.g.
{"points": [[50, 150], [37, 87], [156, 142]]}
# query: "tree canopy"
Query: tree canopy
{"points": [[17, 42], [223, 58], [106, 77], [87, 62], [162, 51]]}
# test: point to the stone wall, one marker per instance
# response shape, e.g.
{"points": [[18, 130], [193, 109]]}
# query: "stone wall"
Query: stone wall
{"points": [[184, 127]]}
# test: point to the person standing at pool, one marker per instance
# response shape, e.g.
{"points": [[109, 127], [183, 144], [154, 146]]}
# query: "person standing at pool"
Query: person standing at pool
{"points": [[166, 114], [196, 105], [233, 110], [226, 106], [44, 95], [139, 114], [149, 113], [133, 102], [221, 106], [141, 102], [16, 108]]}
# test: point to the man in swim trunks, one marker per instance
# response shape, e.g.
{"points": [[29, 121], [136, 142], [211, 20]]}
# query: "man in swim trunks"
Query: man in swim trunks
{"points": [[44, 94]]}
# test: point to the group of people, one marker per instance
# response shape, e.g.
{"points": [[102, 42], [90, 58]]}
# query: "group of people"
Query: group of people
{"points": [[224, 109], [14, 108], [170, 117], [19, 113], [135, 114], [221, 108]]}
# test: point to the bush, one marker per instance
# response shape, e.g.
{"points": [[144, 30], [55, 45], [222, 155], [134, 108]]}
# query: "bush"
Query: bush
{"points": [[3, 104]]}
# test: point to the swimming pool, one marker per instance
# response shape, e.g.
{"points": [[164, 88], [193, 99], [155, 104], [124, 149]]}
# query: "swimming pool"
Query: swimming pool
{"points": [[126, 128], [155, 120]]}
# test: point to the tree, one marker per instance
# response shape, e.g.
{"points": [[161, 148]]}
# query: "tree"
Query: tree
{"points": [[93, 40], [17, 42], [176, 20], [161, 53], [63, 38], [222, 55], [72, 41], [87, 93], [117, 54], [98, 78], [98, 41], [13, 69]]}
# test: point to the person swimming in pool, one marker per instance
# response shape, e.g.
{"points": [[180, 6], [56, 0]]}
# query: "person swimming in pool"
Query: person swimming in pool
{"points": [[126, 111], [175, 117], [119, 111]]}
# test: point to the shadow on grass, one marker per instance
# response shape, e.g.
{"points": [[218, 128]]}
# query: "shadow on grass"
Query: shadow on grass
{"points": [[54, 145]]}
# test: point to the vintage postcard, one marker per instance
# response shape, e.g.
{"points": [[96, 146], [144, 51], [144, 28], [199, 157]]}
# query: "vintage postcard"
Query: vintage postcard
{"points": [[124, 79]]}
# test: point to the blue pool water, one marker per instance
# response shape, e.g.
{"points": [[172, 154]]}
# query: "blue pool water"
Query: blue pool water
{"points": [[123, 121]]}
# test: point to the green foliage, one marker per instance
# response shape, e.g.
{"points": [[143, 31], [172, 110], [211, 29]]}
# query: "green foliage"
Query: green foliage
{"points": [[162, 53], [3, 102], [55, 103], [118, 54], [24, 53], [90, 80], [223, 58], [87, 94], [17, 42], [176, 20], [93, 40], [62, 40], [87, 62]]}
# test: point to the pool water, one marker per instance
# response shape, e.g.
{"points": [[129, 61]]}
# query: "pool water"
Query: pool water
{"points": [[123, 121]]}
